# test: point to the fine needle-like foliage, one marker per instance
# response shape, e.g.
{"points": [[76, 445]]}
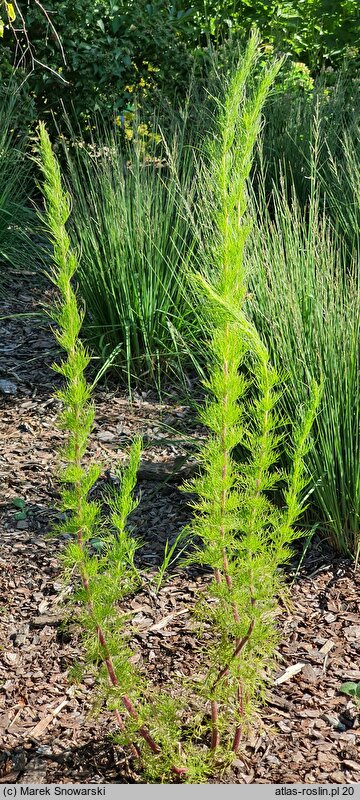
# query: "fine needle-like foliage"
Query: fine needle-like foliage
{"points": [[105, 579], [148, 721], [245, 537]]}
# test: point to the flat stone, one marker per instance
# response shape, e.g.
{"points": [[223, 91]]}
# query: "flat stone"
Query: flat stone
{"points": [[7, 387], [22, 525], [309, 674], [106, 436], [334, 722]]}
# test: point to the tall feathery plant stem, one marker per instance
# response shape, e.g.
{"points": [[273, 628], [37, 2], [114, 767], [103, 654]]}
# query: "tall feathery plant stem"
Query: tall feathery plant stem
{"points": [[230, 158], [265, 446], [78, 414], [77, 408], [230, 222]]}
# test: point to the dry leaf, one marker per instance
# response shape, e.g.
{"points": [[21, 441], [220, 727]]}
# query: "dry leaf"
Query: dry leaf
{"points": [[289, 673], [327, 647], [10, 658], [165, 620], [44, 723]]}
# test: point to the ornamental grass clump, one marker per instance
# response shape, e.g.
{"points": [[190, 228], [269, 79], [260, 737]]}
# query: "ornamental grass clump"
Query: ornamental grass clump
{"points": [[132, 241], [245, 535], [15, 216], [109, 576], [305, 286]]}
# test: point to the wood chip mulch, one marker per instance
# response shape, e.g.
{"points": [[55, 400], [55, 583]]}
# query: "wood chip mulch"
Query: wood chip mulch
{"points": [[309, 732]]}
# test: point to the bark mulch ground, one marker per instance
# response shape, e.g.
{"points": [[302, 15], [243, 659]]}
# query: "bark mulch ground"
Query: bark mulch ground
{"points": [[308, 732]]}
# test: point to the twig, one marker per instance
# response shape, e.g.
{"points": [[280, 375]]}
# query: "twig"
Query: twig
{"points": [[225, 671], [29, 48], [52, 26]]}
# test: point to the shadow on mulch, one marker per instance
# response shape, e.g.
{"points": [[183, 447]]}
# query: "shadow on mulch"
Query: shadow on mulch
{"points": [[97, 761]]}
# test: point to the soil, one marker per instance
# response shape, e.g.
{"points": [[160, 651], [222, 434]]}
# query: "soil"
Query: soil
{"points": [[308, 732]]}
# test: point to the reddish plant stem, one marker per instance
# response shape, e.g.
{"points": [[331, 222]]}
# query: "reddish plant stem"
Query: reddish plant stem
{"points": [[237, 739], [225, 671], [110, 668], [215, 736], [146, 735], [143, 731], [217, 575], [238, 730], [179, 770]]}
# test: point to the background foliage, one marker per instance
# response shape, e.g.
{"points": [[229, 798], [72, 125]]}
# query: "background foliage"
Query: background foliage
{"points": [[98, 55], [311, 31], [110, 51]]}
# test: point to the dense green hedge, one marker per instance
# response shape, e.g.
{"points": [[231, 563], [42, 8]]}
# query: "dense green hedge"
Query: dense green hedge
{"points": [[116, 50], [112, 52], [315, 32]]}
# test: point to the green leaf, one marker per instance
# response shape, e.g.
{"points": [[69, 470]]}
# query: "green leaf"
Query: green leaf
{"points": [[101, 25], [18, 502], [10, 11], [20, 515], [1, 28], [351, 688], [98, 545]]}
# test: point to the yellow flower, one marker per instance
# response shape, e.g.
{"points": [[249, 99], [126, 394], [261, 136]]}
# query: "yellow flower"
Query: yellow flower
{"points": [[143, 129]]}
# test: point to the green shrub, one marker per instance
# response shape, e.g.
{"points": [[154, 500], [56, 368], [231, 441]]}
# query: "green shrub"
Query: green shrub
{"points": [[97, 55], [305, 302], [316, 32]]}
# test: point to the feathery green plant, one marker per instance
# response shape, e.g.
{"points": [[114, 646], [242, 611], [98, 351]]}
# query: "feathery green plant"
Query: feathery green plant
{"points": [[245, 536], [151, 723], [109, 578]]}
